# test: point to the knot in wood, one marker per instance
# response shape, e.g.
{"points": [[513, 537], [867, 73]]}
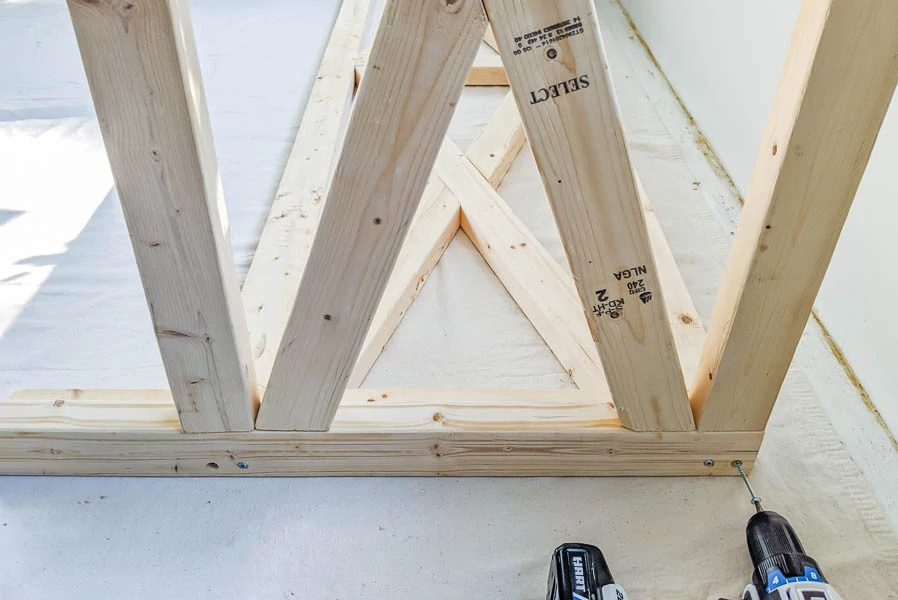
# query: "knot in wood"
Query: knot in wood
{"points": [[452, 6]]}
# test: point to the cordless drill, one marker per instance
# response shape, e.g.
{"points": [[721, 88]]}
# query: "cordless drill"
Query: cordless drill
{"points": [[579, 572], [782, 570]]}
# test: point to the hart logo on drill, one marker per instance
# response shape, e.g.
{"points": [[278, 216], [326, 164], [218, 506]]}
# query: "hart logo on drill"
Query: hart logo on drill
{"points": [[579, 572], [579, 577]]}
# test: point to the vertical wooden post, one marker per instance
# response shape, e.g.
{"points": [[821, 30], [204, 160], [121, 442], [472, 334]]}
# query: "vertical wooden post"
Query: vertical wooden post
{"points": [[556, 65], [421, 57], [143, 72], [837, 84]]}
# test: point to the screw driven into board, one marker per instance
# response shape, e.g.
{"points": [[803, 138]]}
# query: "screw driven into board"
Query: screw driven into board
{"points": [[755, 499]]}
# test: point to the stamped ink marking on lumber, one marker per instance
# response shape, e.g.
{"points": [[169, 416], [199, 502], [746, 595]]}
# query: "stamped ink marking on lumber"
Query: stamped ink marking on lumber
{"points": [[614, 307], [547, 35], [637, 286], [634, 272], [607, 306], [569, 86]]}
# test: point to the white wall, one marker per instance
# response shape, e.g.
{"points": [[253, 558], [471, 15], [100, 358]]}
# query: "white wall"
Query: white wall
{"points": [[724, 59]]}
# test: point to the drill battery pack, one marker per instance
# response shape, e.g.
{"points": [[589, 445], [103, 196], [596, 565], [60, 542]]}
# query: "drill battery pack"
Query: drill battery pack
{"points": [[580, 572]]}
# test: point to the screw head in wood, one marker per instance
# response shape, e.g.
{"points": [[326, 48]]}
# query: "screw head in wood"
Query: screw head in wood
{"points": [[242, 465], [709, 463]]}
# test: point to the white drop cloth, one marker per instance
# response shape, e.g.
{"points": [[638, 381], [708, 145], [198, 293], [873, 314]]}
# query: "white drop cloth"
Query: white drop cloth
{"points": [[72, 314]]}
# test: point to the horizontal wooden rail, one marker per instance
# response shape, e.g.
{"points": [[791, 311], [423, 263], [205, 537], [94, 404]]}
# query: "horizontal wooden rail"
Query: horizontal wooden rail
{"points": [[376, 432], [487, 71]]}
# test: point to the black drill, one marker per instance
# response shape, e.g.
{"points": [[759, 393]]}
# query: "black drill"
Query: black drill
{"points": [[782, 570]]}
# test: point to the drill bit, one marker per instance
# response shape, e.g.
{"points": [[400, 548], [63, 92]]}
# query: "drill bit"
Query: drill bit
{"points": [[755, 499]]}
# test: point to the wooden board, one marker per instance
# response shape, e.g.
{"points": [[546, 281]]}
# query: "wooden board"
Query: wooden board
{"points": [[536, 282], [836, 87], [498, 143], [272, 281], [420, 58], [487, 70], [433, 229], [556, 65], [141, 64], [376, 432], [384, 432], [686, 325], [489, 38], [539, 285], [489, 155]]}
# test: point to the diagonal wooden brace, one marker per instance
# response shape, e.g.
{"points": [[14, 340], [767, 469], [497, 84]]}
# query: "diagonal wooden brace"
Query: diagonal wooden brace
{"points": [[144, 76], [835, 89], [421, 56], [556, 65]]}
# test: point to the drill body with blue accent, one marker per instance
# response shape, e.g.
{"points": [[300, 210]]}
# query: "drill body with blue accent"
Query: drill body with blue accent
{"points": [[782, 569]]}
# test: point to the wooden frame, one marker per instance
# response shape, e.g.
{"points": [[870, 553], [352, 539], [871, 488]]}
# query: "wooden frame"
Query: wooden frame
{"points": [[627, 347]]}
